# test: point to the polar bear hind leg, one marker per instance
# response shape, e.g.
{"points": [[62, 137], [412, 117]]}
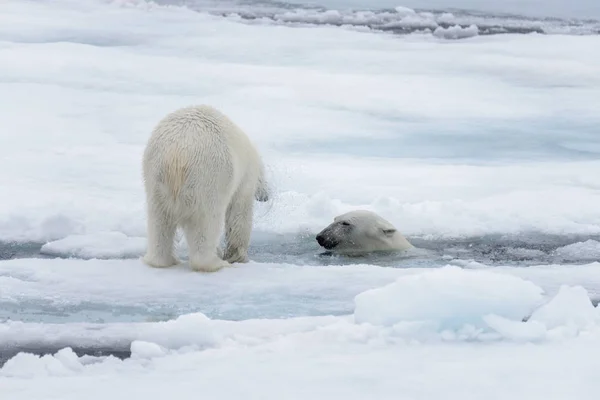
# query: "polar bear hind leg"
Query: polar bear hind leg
{"points": [[238, 227], [202, 232], [161, 236]]}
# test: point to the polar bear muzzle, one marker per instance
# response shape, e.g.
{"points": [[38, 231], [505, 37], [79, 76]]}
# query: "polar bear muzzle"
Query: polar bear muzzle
{"points": [[329, 238]]}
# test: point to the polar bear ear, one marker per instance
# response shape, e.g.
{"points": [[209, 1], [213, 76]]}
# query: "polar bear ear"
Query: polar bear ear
{"points": [[389, 232]]}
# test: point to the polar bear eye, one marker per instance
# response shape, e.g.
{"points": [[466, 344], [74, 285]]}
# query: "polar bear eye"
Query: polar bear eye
{"points": [[345, 223]]}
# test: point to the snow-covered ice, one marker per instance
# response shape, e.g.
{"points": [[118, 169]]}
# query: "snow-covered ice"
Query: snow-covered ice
{"points": [[99, 245], [475, 99], [104, 290], [456, 32], [324, 355], [478, 141], [451, 297], [571, 306]]}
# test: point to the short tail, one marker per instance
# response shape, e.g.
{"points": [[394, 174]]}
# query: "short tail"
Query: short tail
{"points": [[176, 173], [263, 192]]}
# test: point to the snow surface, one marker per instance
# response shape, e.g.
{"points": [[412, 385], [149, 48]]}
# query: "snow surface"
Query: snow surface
{"points": [[324, 355], [475, 99], [104, 290], [99, 245], [463, 140]]}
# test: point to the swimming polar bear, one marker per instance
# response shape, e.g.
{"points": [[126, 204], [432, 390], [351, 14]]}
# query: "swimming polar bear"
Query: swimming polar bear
{"points": [[360, 232], [200, 172]]}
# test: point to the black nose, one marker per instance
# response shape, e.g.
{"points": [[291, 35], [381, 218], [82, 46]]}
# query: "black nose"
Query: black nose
{"points": [[320, 240], [326, 242]]}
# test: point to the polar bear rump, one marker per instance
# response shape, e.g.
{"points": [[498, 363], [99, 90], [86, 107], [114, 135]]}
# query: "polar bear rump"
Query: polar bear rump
{"points": [[361, 232], [201, 173]]}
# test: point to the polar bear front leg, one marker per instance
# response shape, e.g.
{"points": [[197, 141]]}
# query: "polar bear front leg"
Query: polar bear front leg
{"points": [[202, 234], [161, 236], [238, 226]]}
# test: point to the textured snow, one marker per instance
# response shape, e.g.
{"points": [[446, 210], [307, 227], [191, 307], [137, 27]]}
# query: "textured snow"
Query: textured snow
{"points": [[426, 139], [99, 245], [70, 290], [325, 355], [471, 300]]}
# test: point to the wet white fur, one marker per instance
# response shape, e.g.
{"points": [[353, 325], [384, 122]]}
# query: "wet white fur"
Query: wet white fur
{"points": [[200, 172], [361, 232]]}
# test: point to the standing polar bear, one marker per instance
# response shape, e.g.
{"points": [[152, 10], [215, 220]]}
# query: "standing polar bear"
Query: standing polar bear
{"points": [[361, 232], [200, 172]]}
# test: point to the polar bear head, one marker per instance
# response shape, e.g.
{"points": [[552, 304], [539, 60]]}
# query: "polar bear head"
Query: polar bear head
{"points": [[360, 232]]}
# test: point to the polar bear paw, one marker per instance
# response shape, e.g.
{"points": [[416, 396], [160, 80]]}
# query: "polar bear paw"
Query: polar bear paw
{"points": [[236, 256], [211, 264], [160, 262]]}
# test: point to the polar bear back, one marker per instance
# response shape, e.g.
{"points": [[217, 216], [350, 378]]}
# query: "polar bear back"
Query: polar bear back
{"points": [[199, 144]]}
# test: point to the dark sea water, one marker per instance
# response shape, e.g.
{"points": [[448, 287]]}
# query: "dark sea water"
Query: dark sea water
{"points": [[429, 17]]}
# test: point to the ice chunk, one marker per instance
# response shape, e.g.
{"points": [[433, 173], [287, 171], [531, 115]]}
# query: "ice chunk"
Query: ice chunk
{"points": [[567, 313], [456, 32], [26, 365], [143, 349], [446, 18], [193, 330], [588, 251], [468, 264], [570, 307], [451, 296], [516, 330], [69, 359], [99, 245], [404, 10]]}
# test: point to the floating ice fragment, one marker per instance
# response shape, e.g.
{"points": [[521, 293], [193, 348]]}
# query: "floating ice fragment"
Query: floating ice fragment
{"points": [[451, 296], [99, 245], [26, 365], [571, 306], [456, 32], [142, 349], [516, 330], [404, 10]]}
